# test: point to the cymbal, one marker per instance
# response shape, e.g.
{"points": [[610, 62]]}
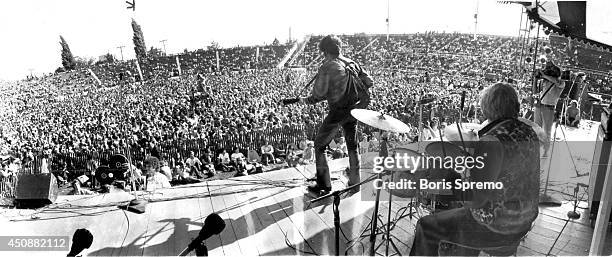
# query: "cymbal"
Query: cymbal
{"points": [[380, 121]]}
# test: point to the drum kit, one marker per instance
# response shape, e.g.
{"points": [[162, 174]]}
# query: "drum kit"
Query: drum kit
{"points": [[433, 197], [429, 197]]}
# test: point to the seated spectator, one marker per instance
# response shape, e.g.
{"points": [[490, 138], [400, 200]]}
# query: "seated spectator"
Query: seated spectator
{"points": [[267, 153], [293, 158], [155, 179], [165, 169], [208, 165], [4, 171], [193, 161], [302, 144], [308, 157], [341, 147], [194, 165], [224, 161], [253, 157], [572, 114], [237, 160]]}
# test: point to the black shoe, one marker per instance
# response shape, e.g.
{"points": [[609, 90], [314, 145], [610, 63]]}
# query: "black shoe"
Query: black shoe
{"points": [[319, 189], [313, 179]]}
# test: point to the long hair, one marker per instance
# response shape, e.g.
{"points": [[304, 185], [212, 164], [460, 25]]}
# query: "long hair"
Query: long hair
{"points": [[500, 101], [330, 44]]}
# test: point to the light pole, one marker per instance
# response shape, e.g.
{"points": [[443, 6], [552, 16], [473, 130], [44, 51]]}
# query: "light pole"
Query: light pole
{"points": [[121, 50]]}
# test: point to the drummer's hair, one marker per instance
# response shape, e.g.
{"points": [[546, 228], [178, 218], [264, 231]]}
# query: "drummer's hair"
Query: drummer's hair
{"points": [[499, 101]]}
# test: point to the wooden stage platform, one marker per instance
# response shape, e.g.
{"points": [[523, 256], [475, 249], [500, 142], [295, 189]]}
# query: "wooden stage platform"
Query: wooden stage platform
{"points": [[266, 214]]}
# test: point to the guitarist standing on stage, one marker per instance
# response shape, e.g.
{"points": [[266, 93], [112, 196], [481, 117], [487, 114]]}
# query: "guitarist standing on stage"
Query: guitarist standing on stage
{"points": [[339, 81]]}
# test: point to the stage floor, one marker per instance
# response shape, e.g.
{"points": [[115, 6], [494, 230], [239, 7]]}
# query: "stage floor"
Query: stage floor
{"points": [[266, 214]]}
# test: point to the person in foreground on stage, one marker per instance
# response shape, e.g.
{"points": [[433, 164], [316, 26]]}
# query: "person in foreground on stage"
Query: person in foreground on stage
{"points": [[492, 218], [330, 85]]}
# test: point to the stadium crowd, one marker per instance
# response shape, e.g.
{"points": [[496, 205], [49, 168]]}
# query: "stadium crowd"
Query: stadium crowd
{"points": [[67, 124]]}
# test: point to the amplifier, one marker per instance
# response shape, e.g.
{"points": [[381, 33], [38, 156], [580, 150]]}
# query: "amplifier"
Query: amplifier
{"points": [[601, 157]]}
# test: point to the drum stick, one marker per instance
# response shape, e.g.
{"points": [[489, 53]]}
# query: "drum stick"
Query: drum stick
{"points": [[461, 137], [442, 140], [461, 119]]}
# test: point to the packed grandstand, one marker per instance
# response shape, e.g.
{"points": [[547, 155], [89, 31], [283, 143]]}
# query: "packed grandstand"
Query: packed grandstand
{"points": [[66, 121]]}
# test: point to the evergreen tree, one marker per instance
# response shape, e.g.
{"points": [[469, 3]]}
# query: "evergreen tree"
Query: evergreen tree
{"points": [[139, 43], [68, 61]]}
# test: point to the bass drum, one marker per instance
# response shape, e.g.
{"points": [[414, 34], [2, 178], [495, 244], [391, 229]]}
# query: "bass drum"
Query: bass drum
{"points": [[437, 154], [399, 174]]}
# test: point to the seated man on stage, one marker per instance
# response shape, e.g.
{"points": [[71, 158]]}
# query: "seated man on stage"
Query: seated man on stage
{"points": [[493, 218], [572, 114]]}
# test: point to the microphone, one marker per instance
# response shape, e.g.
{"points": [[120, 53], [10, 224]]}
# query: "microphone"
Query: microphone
{"points": [[213, 225], [81, 239], [288, 101]]}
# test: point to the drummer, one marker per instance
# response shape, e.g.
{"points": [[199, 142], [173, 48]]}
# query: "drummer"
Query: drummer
{"points": [[493, 218]]}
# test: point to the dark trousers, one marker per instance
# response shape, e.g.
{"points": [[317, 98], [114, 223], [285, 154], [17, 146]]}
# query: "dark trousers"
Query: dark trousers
{"points": [[457, 226], [266, 158], [325, 135]]}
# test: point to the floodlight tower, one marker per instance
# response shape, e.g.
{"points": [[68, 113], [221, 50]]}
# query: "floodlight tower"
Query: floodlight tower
{"points": [[476, 19], [387, 20]]}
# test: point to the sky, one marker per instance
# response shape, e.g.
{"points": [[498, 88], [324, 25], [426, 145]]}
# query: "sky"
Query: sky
{"points": [[30, 29]]}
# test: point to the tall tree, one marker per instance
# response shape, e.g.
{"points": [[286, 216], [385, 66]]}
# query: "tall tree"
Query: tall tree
{"points": [[68, 61], [139, 43]]}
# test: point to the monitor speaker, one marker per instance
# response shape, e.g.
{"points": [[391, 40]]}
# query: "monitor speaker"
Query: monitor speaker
{"points": [[36, 190]]}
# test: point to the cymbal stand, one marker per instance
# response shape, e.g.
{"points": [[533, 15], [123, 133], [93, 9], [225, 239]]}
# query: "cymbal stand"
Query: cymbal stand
{"points": [[383, 153], [385, 229]]}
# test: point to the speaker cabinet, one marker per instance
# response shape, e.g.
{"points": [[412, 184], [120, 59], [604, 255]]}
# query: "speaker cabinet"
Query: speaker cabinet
{"points": [[35, 190]]}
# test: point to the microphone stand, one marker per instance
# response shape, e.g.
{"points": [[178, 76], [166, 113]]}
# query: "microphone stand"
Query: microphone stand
{"points": [[336, 204]]}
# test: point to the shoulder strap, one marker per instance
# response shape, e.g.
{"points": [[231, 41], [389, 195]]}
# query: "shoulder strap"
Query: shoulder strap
{"points": [[546, 92], [346, 63]]}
